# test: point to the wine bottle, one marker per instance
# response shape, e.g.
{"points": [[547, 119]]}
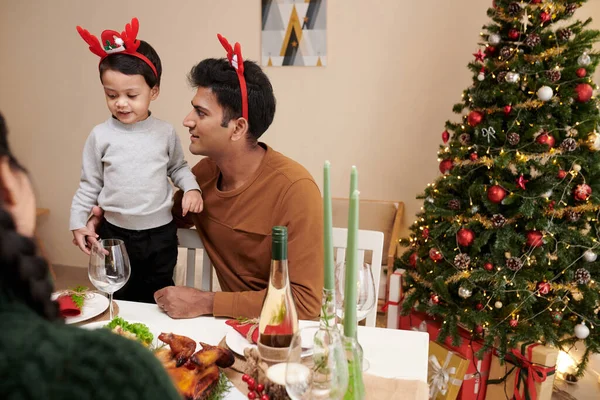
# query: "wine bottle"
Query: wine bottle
{"points": [[278, 317]]}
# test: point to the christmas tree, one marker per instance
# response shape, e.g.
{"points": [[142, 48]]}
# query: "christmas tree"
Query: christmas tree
{"points": [[506, 244]]}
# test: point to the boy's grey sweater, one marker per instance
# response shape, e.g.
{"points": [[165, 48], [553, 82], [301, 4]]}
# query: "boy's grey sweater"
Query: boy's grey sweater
{"points": [[125, 170]]}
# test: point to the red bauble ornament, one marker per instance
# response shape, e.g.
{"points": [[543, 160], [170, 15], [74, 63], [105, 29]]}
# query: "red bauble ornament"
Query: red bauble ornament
{"points": [[582, 192], [474, 118], [562, 174], [412, 260], [513, 34], [479, 329], [479, 307], [446, 166], [535, 239], [435, 254], [545, 17], [581, 72], [496, 194], [425, 233], [490, 50], [513, 323], [445, 137], [488, 266], [546, 139], [507, 109], [551, 205], [544, 288], [584, 92], [473, 156], [435, 298], [465, 237]]}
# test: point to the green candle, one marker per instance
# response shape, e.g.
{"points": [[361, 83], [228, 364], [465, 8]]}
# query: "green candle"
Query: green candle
{"points": [[327, 230], [351, 283], [353, 180]]}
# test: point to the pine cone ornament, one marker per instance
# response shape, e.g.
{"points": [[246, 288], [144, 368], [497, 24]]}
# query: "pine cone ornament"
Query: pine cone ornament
{"points": [[572, 216], [513, 138], [582, 276], [571, 8], [514, 9], [564, 34], [501, 76], [498, 220], [554, 75], [454, 204], [462, 261], [506, 53], [514, 264], [533, 40], [569, 144], [464, 139]]}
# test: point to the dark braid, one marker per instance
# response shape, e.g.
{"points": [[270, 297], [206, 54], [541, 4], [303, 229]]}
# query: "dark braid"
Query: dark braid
{"points": [[23, 272]]}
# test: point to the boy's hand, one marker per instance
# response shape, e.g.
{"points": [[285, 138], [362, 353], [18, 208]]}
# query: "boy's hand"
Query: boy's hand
{"points": [[79, 239], [192, 202]]}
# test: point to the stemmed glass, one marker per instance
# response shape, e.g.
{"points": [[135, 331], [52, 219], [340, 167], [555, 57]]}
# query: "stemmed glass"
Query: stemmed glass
{"points": [[109, 267], [317, 366], [365, 299]]}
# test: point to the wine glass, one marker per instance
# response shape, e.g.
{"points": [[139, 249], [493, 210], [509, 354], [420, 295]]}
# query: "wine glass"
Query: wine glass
{"points": [[365, 298], [109, 267], [316, 366]]}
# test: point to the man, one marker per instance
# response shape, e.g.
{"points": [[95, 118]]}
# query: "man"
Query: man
{"points": [[247, 188]]}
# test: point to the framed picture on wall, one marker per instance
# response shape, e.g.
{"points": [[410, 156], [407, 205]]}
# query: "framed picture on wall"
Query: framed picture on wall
{"points": [[294, 33]]}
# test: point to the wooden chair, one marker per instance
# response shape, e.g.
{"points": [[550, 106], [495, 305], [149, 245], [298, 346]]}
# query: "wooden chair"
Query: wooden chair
{"points": [[190, 240], [376, 215], [371, 241]]}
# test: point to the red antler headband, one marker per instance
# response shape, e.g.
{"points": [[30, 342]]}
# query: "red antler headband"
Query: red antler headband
{"points": [[125, 43], [237, 62]]}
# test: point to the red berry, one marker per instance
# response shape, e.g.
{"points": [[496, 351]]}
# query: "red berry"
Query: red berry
{"points": [[252, 395], [264, 397], [245, 377], [260, 387], [251, 386], [251, 381]]}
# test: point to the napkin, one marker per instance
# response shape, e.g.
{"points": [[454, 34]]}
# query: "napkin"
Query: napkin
{"points": [[248, 330], [67, 306]]}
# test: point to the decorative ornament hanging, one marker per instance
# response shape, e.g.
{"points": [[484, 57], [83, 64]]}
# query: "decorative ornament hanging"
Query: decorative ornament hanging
{"points": [[568, 145], [481, 74], [435, 298], [473, 156], [435, 254], [507, 109], [584, 60], [545, 16], [590, 256], [570, 9], [479, 329], [479, 56], [498, 304], [494, 39], [582, 276], [544, 288], [513, 323], [454, 204], [506, 53], [479, 307], [501, 76], [425, 233], [498, 220], [465, 237], [490, 50], [525, 20], [577, 295], [535, 239], [545, 93], [514, 264], [464, 139], [464, 292], [581, 72], [445, 137], [582, 192], [489, 133], [564, 34], [572, 216], [553, 75], [496, 194], [412, 260], [488, 266], [582, 331], [512, 77], [521, 181], [514, 9], [547, 139], [594, 141], [532, 40], [446, 166], [513, 138], [561, 174], [474, 118], [557, 316], [583, 92], [462, 261], [513, 34]]}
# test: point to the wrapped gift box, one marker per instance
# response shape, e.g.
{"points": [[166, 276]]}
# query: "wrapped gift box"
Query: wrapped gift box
{"points": [[528, 370], [395, 298], [445, 373], [418, 321]]}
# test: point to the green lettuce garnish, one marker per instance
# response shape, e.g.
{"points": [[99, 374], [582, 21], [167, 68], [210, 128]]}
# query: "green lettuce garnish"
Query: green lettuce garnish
{"points": [[141, 331]]}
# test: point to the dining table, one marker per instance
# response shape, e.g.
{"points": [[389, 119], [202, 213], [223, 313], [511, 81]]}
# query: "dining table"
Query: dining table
{"points": [[393, 354]]}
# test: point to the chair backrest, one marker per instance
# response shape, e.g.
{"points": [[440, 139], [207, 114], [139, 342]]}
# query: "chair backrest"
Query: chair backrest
{"points": [[367, 241], [189, 239]]}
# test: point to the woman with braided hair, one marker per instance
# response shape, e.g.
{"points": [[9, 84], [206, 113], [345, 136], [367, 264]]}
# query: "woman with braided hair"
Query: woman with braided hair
{"points": [[40, 356]]}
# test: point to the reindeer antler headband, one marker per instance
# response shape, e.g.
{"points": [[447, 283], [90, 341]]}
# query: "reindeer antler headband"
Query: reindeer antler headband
{"points": [[234, 55], [115, 42]]}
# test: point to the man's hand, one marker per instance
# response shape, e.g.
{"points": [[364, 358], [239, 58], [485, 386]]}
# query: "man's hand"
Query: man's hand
{"points": [[184, 302], [85, 238], [192, 202]]}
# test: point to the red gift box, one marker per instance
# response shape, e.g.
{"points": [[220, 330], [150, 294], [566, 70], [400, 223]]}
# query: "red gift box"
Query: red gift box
{"points": [[419, 321]]}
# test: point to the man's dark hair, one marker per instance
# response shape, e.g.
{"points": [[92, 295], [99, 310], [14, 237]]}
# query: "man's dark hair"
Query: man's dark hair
{"points": [[131, 65], [222, 79]]}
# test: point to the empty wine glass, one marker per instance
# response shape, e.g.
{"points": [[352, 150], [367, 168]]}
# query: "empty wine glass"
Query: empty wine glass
{"points": [[316, 367], [109, 267]]}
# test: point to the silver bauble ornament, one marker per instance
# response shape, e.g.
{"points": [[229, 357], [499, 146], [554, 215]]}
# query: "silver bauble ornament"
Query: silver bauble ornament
{"points": [[481, 77], [582, 331], [512, 77], [545, 93], [498, 304], [590, 256], [464, 292], [584, 60], [494, 39]]}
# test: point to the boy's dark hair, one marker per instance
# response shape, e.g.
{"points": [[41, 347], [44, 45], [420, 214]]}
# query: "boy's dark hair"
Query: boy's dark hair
{"points": [[222, 79], [130, 65]]}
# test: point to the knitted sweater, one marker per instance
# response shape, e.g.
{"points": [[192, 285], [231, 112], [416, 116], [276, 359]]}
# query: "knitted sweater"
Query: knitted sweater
{"points": [[49, 360]]}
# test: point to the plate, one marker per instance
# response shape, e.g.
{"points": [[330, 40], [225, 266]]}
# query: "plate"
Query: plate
{"points": [[92, 307]]}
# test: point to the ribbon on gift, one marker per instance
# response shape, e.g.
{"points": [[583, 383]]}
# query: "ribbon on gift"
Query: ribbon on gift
{"points": [[477, 375], [441, 376], [389, 303], [527, 372], [421, 328]]}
